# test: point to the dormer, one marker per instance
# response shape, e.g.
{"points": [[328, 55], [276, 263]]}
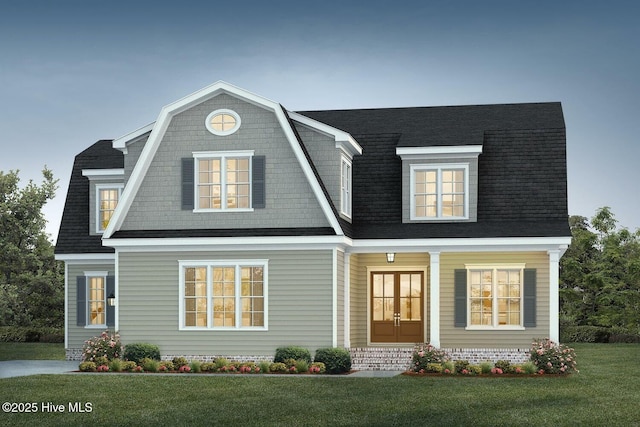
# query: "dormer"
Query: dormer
{"points": [[439, 183], [105, 189]]}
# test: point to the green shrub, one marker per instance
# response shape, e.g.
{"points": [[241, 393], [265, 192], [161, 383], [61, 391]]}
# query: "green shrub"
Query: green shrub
{"points": [[448, 368], [317, 368], [87, 366], [150, 365], [166, 365], [208, 367], [106, 345], [101, 360], [485, 367], [475, 369], [529, 368], [292, 352], [196, 366], [423, 354], [504, 365], [302, 366], [31, 334], [278, 368], [623, 335], [221, 362], [115, 365], [336, 360], [461, 365], [585, 333], [552, 358], [264, 367], [434, 368], [141, 350], [178, 362], [128, 365]]}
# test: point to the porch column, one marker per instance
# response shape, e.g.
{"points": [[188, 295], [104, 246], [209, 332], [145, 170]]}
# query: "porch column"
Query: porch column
{"points": [[434, 295], [554, 295]]}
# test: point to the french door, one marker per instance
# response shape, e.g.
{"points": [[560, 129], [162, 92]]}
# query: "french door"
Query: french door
{"points": [[397, 307]]}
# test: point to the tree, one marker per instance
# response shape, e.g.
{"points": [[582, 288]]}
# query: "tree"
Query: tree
{"points": [[31, 281], [600, 274]]}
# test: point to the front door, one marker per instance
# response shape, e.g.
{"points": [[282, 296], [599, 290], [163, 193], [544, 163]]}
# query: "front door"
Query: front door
{"points": [[397, 307]]}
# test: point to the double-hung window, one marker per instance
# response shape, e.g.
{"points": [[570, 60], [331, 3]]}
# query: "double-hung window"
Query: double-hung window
{"points": [[439, 191], [223, 294], [495, 296], [92, 292], [223, 180], [107, 196], [345, 187]]}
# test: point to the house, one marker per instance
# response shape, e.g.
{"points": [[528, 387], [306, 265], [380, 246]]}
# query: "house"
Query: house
{"points": [[231, 226]]}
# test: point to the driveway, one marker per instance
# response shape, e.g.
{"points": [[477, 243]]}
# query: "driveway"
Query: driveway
{"points": [[19, 368]]}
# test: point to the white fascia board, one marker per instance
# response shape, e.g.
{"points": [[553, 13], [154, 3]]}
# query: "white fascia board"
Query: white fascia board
{"points": [[492, 244], [120, 143], [158, 131], [103, 173], [439, 152], [227, 243], [86, 258], [344, 140]]}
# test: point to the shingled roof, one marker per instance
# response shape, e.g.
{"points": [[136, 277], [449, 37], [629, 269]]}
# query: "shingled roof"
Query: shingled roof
{"points": [[522, 182], [74, 237]]}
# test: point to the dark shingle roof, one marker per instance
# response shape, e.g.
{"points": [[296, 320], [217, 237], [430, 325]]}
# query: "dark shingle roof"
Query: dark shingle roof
{"points": [[73, 237]]}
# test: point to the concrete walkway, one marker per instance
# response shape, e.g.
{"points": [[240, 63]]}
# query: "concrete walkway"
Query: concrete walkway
{"points": [[20, 368]]}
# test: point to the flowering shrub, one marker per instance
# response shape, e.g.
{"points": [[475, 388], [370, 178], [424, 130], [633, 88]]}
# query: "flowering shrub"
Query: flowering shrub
{"points": [[102, 368], [87, 367], [184, 369], [552, 358], [106, 345], [426, 354]]}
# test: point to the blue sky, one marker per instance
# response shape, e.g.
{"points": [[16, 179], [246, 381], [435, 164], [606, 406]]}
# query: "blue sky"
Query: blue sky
{"points": [[74, 72]]}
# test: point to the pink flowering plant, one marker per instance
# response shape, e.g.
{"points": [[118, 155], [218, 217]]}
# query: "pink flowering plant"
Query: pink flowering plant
{"points": [[552, 358], [425, 355], [106, 345]]}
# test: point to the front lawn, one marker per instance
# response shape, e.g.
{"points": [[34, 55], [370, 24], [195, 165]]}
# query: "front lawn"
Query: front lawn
{"points": [[31, 351], [605, 392]]}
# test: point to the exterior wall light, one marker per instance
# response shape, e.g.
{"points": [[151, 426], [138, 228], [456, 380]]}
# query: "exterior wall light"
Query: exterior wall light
{"points": [[111, 300], [391, 257]]}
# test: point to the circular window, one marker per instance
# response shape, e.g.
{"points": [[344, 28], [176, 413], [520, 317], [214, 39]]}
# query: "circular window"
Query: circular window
{"points": [[222, 122]]}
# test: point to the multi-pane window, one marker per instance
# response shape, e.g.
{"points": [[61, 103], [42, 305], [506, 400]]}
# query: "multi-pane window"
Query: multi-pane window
{"points": [[223, 182], [439, 192], [96, 301], [495, 297], [222, 122], [345, 188], [107, 200], [224, 295]]}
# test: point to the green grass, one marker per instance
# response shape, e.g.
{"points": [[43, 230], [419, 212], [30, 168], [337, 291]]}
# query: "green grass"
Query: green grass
{"points": [[605, 392], [31, 351]]}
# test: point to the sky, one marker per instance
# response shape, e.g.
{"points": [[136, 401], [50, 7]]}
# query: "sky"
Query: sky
{"points": [[74, 72]]}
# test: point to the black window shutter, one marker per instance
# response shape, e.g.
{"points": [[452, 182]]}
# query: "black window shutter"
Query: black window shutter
{"points": [[188, 171], [111, 311], [460, 298], [258, 192], [529, 293], [81, 300]]}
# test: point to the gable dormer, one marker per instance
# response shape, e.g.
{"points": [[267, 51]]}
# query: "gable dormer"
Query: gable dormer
{"points": [[439, 183]]}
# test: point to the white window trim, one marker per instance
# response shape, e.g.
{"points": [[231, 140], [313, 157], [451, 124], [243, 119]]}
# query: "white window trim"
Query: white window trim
{"points": [[232, 113], [105, 186], [346, 200], [494, 308], [209, 265], [88, 275], [437, 167], [222, 155]]}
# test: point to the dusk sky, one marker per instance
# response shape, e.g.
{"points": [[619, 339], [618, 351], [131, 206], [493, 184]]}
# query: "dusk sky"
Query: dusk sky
{"points": [[74, 72]]}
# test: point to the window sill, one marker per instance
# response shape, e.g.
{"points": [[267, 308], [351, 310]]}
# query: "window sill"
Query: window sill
{"points": [[495, 328], [440, 219], [205, 329], [223, 210], [95, 326]]}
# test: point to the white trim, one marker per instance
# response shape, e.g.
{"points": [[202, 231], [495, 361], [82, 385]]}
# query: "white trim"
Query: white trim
{"points": [[344, 141], [86, 258], [349, 187], [120, 143], [116, 291], [66, 305], [347, 300], [162, 123], [554, 295], [102, 173], [334, 298], [89, 275], [439, 168], [439, 152], [209, 265], [434, 297], [225, 111]]}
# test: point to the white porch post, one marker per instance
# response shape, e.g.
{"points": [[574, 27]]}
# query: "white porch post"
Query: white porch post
{"points": [[347, 300], [434, 294], [554, 295]]}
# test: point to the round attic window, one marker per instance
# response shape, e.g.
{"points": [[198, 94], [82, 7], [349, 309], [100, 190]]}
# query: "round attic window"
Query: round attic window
{"points": [[223, 122]]}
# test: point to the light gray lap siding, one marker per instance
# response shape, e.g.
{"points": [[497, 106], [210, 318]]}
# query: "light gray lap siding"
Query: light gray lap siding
{"points": [[300, 292], [290, 201]]}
